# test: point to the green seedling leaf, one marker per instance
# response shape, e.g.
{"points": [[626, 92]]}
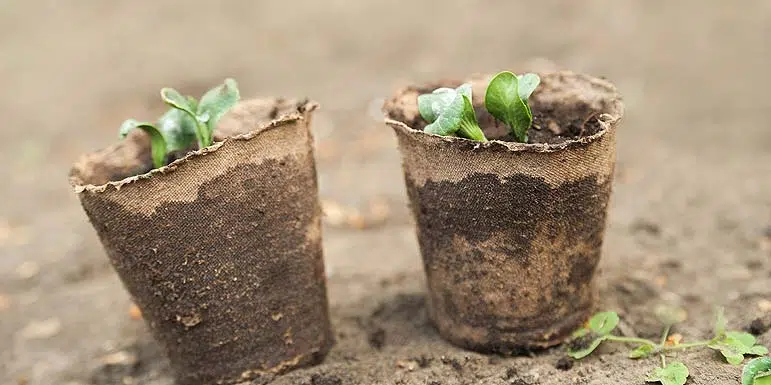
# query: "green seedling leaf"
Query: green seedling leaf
{"points": [[734, 345], [457, 117], [469, 127], [670, 315], [603, 323], [157, 143], [178, 128], [584, 346], [503, 100], [675, 373], [527, 84], [755, 368], [215, 103], [763, 380], [642, 351], [173, 98], [432, 105]]}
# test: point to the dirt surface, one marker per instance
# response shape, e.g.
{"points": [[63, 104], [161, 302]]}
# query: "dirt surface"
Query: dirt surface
{"points": [[689, 218]]}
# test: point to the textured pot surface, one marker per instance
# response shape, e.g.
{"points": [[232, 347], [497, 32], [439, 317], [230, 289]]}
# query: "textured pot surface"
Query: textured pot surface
{"points": [[221, 250], [511, 233]]}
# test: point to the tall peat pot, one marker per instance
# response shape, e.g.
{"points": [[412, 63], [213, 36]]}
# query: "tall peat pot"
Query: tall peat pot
{"points": [[510, 233], [221, 249]]}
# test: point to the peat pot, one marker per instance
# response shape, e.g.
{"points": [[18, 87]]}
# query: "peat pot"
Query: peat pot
{"points": [[221, 249], [510, 233]]}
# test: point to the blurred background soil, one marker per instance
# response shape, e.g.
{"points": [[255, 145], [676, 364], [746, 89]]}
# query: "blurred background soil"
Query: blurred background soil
{"points": [[690, 221]]}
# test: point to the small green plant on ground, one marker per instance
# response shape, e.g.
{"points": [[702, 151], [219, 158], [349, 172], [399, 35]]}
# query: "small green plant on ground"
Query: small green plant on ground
{"points": [[188, 121], [450, 112], [757, 372], [733, 345]]}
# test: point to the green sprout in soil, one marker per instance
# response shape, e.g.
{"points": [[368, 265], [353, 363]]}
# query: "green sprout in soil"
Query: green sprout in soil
{"points": [[733, 345], [187, 122], [450, 112]]}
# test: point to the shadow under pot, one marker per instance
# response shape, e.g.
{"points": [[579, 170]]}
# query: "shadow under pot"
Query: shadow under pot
{"points": [[510, 233], [221, 249]]}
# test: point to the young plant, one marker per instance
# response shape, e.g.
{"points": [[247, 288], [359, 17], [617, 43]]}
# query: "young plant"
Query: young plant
{"points": [[732, 345], [506, 100], [187, 121], [450, 112]]}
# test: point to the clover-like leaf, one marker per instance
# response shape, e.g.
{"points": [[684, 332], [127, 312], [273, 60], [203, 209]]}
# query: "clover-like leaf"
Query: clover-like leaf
{"points": [[584, 346], [642, 351], [676, 373], [603, 323], [756, 368], [178, 128], [734, 345], [157, 142], [215, 103], [504, 101]]}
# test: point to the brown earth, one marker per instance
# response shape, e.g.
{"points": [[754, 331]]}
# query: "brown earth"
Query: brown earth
{"points": [[690, 218]]}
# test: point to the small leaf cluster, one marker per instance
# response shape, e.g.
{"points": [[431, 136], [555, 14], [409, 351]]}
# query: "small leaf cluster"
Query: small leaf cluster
{"points": [[733, 345], [450, 112], [187, 122]]}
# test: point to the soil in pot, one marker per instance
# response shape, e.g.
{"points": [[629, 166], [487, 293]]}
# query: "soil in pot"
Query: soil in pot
{"points": [[511, 233], [221, 250]]}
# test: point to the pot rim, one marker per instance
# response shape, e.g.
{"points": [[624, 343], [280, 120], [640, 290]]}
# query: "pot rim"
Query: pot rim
{"points": [[302, 114], [607, 121]]}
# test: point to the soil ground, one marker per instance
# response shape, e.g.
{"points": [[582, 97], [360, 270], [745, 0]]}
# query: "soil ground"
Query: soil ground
{"points": [[690, 221]]}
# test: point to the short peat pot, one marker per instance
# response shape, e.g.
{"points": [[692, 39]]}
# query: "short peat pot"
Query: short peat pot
{"points": [[220, 249], [510, 233]]}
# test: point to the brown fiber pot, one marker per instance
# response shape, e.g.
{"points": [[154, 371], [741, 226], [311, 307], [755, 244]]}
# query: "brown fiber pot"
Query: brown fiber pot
{"points": [[510, 233], [221, 250]]}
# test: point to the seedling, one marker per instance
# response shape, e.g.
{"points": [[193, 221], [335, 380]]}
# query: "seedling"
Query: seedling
{"points": [[187, 121], [450, 112], [733, 345]]}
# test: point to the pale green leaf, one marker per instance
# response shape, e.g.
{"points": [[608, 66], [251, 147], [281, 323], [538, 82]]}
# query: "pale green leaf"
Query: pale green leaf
{"points": [[641, 351], [157, 142], [676, 373], [215, 103], [527, 84], [604, 322], [754, 368]]}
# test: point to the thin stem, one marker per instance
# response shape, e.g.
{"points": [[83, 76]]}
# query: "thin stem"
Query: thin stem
{"points": [[685, 346], [663, 361], [665, 334], [631, 340]]}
